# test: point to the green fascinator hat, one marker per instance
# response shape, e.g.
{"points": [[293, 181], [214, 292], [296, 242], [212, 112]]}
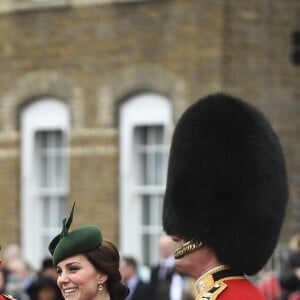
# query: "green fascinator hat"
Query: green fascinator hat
{"points": [[81, 240]]}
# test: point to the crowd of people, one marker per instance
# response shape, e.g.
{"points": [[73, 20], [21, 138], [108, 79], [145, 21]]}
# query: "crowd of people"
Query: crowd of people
{"points": [[22, 282], [19, 280]]}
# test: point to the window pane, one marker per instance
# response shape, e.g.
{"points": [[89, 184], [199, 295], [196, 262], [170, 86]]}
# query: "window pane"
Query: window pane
{"points": [[146, 246], [58, 169], [43, 170], [53, 208], [150, 166], [46, 212], [58, 139], [150, 155], [146, 210], [159, 168], [142, 169], [141, 135], [150, 249], [51, 161], [159, 136]]}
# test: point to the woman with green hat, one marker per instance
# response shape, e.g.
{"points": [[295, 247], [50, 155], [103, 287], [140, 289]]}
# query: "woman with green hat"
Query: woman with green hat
{"points": [[87, 265]]}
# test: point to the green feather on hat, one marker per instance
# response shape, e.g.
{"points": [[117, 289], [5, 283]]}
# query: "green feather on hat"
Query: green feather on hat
{"points": [[81, 240]]}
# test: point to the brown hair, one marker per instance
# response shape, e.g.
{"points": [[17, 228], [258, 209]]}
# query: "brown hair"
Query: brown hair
{"points": [[106, 259]]}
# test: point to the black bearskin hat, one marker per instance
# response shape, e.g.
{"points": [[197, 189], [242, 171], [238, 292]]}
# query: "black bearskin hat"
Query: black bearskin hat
{"points": [[227, 183]]}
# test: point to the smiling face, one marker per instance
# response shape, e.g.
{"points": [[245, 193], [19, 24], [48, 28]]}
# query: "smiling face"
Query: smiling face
{"points": [[78, 279]]}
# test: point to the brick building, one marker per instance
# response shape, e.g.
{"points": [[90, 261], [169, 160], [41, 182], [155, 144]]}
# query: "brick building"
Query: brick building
{"points": [[91, 89]]}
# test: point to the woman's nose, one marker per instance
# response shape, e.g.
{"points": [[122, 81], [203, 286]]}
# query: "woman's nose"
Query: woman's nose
{"points": [[62, 278]]}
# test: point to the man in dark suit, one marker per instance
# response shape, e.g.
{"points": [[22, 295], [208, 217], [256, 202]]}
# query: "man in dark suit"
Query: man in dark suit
{"points": [[166, 282], [138, 289]]}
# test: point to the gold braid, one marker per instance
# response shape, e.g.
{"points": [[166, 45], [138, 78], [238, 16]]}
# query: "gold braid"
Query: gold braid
{"points": [[186, 248]]}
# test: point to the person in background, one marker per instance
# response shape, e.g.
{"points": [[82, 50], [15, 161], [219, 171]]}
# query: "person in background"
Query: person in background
{"points": [[44, 287], [166, 283], [10, 253], [19, 276], [269, 285], [289, 277], [3, 296], [86, 264], [164, 270], [48, 269], [138, 289], [2, 282], [226, 195]]}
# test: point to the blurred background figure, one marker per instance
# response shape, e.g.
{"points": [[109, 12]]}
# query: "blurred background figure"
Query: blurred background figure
{"points": [[138, 289], [15, 273], [166, 283], [48, 269], [44, 287], [10, 253], [269, 286], [164, 270], [289, 277], [19, 277], [2, 282]]}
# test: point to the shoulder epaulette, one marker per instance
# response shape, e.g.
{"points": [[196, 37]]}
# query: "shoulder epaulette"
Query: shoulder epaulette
{"points": [[211, 284], [214, 292]]}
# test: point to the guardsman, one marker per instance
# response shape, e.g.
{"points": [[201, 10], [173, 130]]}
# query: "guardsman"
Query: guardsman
{"points": [[226, 196]]}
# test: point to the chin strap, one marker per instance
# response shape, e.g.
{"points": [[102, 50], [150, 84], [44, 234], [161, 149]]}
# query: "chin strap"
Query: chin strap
{"points": [[187, 248]]}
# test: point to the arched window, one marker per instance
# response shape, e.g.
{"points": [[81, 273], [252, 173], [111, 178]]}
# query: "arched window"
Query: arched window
{"points": [[144, 124], [44, 175]]}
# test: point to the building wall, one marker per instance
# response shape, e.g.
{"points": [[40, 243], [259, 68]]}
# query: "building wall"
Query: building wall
{"points": [[94, 56]]}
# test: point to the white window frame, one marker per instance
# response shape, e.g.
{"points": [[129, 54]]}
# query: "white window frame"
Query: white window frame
{"points": [[44, 114], [148, 109]]}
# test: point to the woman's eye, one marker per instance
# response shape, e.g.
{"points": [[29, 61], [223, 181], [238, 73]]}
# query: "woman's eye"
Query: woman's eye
{"points": [[74, 269]]}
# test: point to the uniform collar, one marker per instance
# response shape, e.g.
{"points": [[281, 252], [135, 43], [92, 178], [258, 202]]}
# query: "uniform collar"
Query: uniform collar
{"points": [[214, 279]]}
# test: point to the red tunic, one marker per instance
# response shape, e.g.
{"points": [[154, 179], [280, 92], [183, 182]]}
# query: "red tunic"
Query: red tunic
{"points": [[222, 283], [237, 289]]}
